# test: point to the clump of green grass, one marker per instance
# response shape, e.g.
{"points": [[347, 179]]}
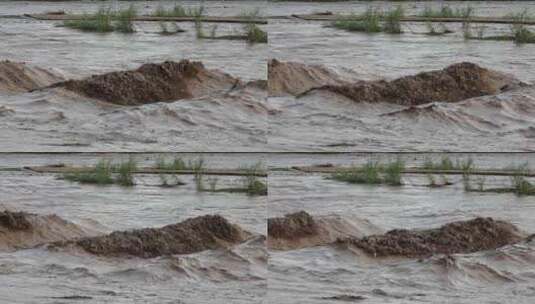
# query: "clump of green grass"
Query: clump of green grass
{"points": [[100, 22], [124, 23], [372, 21], [520, 32], [519, 183], [105, 20], [393, 172], [125, 176], [178, 11], [255, 34], [252, 184], [392, 24], [368, 22], [372, 173], [101, 174]]}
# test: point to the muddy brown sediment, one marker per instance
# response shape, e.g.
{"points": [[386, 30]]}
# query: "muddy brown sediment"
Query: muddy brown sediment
{"points": [[19, 230], [192, 235], [150, 83], [17, 77], [292, 226], [455, 83], [14, 220], [301, 230], [295, 78], [458, 237]]}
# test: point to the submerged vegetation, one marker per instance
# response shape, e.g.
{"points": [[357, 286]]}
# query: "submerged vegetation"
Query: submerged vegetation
{"points": [[102, 174], [251, 32], [519, 32], [372, 173], [105, 20], [370, 21], [250, 183], [519, 184]]}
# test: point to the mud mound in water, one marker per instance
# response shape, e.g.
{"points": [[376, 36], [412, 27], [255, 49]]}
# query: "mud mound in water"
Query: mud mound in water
{"points": [[168, 81], [24, 230], [295, 78], [292, 226], [300, 230], [454, 83], [192, 235], [18, 77], [457, 237]]}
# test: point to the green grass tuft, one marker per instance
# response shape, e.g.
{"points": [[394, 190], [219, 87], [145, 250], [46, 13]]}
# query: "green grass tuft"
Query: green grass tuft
{"points": [[255, 34], [100, 22], [392, 24], [101, 174], [124, 23], [368, 22], [126, 171], [393, 173], [373, 173]]}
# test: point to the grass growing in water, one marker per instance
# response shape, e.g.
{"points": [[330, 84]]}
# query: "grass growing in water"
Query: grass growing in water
{"points": [[520, 34], [126, 171], [105, 20], [372, 173], [124, 23], [252, 33], [519, 184], [255, 34], [372, 21], [368, 22], [252, 184], [100, 22], [392, 22], [101, 174]]}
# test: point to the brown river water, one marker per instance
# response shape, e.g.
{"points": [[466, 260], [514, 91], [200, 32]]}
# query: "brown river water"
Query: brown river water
{"points": [[248, 125]]}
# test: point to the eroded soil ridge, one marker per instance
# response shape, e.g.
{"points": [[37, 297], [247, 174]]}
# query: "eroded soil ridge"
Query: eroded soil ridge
{"points": [[455, 83], [192, 235], [167, 81], [458, 237]]}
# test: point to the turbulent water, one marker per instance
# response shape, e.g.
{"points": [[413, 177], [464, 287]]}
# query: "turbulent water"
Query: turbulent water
{"points": [[317, 274], [38, 275], [45, 120], [329, 122]]}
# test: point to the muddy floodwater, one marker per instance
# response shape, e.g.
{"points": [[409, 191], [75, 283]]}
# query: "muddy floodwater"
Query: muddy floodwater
{"points": [[322, 121], [208, 152], [328, 273], [45, 120], [39, 275]]}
